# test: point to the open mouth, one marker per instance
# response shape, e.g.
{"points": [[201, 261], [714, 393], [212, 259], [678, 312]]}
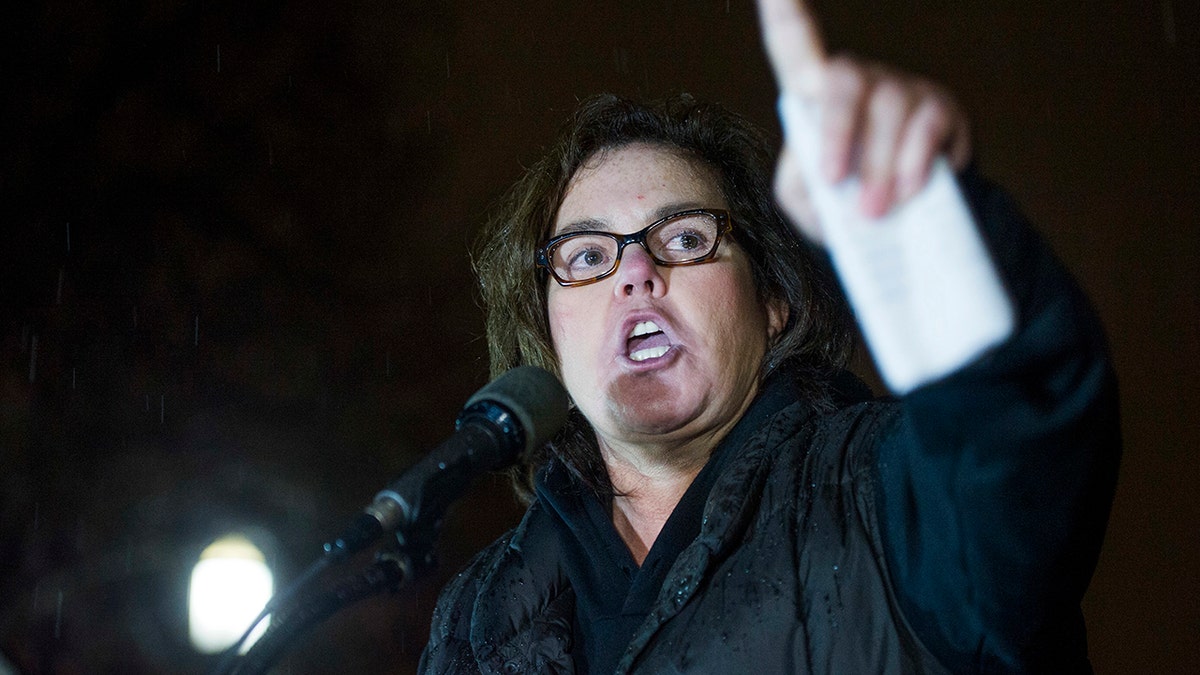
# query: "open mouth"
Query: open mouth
{"points": [[647, 341]]}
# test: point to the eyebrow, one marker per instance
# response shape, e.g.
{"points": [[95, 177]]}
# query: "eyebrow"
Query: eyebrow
{"points": [[590, 224]]}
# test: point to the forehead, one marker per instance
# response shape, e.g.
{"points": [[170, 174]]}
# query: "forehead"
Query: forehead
{"points": [[637, 181]]}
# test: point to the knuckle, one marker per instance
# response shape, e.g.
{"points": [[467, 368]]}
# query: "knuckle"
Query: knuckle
{"points": [[889, 96], [846, 79], [939, 107], [930, 121]]}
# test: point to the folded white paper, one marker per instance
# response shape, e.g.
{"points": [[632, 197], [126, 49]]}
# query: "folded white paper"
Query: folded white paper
{"points": [[923, 287]]}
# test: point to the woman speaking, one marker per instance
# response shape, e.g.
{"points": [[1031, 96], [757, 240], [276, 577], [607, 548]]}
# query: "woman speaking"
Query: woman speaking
{"points": [[725, 498]]}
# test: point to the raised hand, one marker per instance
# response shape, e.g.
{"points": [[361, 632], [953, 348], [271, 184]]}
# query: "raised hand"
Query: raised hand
{"points": [[879, 123]]}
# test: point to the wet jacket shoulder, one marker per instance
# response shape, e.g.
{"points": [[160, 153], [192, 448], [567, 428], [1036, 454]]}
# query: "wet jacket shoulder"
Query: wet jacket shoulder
{"points": [[509, 611]]}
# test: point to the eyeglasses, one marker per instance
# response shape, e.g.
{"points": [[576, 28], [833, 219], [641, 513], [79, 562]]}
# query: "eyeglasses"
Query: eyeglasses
{"points": [[684, 238]]}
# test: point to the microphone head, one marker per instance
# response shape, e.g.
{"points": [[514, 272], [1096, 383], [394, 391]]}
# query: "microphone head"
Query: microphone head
{"points": [[532, 395]]}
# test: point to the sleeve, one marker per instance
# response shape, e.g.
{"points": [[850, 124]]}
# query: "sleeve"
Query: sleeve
{"points": [[996, 487]]}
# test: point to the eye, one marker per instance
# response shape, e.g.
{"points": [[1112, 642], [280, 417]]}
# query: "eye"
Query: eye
{"points": [[577, 257], [686, 241], [684, 238], [587, 258]]}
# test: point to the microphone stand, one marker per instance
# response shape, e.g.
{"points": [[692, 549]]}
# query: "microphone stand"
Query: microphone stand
{"points": [[526, 403], [391, 571], [413, 507]]}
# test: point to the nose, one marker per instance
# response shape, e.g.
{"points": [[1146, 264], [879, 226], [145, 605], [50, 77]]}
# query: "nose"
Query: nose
{"points": [[638, 274]]}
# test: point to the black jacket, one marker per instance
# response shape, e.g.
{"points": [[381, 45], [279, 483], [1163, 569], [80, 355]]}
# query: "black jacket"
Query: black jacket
{"points": [[953, 530]]}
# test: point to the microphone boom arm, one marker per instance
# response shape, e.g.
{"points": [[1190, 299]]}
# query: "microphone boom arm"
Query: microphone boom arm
{"points": [[487, 437]]}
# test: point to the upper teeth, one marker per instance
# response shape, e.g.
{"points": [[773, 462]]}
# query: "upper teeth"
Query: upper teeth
{"points": [[644, 328]]}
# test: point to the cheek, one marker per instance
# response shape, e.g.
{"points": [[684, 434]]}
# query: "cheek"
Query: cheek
{"points": [[559, 321], [568, 328], [740, 321], [571, 336]]}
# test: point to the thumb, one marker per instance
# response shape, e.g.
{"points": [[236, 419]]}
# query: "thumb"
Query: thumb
{"points": [[791, 191]]}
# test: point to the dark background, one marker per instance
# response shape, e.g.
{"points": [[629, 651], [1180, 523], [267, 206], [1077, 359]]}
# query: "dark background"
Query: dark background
{"points": [[236, 292]]}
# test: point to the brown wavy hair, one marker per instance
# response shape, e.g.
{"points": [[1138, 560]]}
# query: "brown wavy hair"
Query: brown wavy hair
{"points": [[814, 344]]}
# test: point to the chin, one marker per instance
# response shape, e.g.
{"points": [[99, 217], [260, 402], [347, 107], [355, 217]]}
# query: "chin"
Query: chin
{"points": [[650, 405]]}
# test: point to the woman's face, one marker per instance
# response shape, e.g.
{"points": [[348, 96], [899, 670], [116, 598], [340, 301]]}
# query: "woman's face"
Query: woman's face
{"points": [[696, 369]]}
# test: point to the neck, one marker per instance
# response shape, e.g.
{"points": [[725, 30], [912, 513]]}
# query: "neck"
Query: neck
{"points": [[649, 478], [647, 492]]}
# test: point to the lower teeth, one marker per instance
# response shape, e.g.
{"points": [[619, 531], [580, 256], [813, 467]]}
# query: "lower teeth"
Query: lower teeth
{"points": [[650, 353]]}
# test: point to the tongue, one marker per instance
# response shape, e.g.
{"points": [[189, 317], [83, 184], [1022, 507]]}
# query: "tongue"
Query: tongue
{"points": [[648, 341]]}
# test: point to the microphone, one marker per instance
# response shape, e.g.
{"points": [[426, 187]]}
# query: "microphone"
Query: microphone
{"points": [[517, 412]]}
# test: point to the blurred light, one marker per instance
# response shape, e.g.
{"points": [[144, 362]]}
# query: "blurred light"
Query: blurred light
{"points": [[230, 585]]}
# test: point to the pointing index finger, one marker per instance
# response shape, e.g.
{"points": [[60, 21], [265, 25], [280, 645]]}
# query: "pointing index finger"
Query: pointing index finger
{"points": [[794, 45]]}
